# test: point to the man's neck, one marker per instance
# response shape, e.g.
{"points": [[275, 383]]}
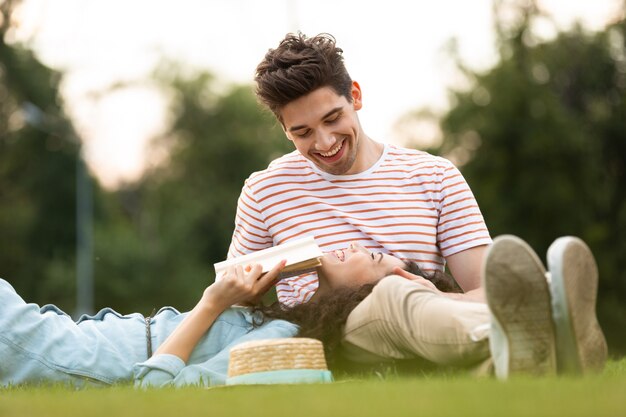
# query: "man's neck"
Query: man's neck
{"points": [[369, 153]]}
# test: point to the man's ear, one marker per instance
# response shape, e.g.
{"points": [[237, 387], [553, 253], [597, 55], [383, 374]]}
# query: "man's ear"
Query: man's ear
{"points": [[282, 125], [285, 132], [357, 98]]}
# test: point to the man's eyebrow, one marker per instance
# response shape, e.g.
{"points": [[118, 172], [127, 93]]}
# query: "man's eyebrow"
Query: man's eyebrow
{"points": [[333, 111]]}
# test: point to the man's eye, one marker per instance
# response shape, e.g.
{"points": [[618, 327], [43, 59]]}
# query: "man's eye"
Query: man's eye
{"points": [[333, 120]]}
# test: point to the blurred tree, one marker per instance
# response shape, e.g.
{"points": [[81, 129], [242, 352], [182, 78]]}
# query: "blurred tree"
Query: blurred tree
{"points": [[38, 152], [155, 240], [541, 138], [178, 220]]}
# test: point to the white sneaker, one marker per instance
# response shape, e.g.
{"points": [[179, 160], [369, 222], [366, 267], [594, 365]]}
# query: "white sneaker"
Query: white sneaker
{"points": [[581, 346], [522, 339]]}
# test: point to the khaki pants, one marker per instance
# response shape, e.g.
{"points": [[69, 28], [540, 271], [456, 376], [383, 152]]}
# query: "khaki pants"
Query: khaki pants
{"points": [[402, 319]]}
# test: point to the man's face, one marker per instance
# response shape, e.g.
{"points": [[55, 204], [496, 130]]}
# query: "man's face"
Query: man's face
{"points": [[325, 128]]}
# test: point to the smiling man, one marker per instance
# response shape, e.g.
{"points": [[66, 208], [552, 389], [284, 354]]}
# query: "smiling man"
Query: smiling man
{"points": [[332, 139], [342, 186], [345, 188]]}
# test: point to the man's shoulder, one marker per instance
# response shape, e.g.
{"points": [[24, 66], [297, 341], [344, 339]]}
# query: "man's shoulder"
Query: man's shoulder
{"points": [[415, 156], [289, 164]]}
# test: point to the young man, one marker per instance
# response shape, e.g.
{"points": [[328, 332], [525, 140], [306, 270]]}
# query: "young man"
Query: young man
{"points": [[341, 186]]}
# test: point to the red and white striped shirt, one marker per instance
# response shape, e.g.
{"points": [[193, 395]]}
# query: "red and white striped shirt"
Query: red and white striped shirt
{"points": [[409, 204]]}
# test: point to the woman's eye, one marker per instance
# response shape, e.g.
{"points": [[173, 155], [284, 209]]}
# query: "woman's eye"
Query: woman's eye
{"points": [[372, 255]]}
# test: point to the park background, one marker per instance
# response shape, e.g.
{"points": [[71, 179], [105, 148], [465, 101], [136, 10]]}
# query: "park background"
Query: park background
{"points": [[538, 128]]}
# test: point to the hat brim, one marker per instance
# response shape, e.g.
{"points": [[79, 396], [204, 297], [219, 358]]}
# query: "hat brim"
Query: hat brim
{"points": [[283, 376]]}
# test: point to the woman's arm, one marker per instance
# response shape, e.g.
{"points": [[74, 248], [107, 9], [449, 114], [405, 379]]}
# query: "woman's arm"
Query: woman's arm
{"points": [[168, 370], [237, 285]]}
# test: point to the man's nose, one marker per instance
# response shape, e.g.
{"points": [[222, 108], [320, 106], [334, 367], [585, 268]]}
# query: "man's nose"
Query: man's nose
{"points": [[325, 142]]}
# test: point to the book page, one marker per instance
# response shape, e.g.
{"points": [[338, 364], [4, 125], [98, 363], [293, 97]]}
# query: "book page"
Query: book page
{"points": [[302, 255]]}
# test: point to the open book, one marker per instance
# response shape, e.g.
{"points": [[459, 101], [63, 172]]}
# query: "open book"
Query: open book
{"points": [[302, 255]]}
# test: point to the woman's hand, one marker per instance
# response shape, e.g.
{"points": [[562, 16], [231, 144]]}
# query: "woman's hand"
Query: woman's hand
{"points": [[238, 284], [475, 296], [416, 278], [241, 284]]}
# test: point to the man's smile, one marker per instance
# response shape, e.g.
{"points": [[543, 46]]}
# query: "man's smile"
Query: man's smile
{"points": [[334, 154]]}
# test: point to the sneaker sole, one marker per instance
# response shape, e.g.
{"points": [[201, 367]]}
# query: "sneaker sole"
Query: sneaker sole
{"points": [[581, 346], [519, 300]]}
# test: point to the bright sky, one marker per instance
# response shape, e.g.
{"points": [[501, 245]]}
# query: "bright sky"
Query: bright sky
{"points": [[394, 49]]}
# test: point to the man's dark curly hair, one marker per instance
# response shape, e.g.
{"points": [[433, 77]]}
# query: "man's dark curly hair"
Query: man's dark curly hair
{"points": [[297, 67], [324, 319]]}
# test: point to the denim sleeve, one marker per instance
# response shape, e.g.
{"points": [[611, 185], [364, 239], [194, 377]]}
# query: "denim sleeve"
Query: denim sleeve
{"points": [[158, 370], [169, 370]]}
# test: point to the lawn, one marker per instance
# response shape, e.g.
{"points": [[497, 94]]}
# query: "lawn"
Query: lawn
{"points": [[392, 395]]}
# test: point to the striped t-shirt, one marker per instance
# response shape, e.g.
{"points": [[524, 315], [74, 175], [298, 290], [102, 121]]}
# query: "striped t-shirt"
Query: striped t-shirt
{"points": [[409, 204]]}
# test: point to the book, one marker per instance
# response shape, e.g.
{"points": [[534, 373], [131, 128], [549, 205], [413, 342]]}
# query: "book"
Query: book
{"points": [[302, 255]]}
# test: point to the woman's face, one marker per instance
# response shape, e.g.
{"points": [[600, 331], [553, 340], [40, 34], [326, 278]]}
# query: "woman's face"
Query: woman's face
{"points": [[356, 266]]}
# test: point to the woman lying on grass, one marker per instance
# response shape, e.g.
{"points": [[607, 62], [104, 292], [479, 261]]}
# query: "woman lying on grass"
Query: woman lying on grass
{"points": [[42, 345]]}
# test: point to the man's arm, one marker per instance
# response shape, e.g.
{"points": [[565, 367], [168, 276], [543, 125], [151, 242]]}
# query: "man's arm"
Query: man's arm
{"points": [[465, 267], [250, 234]]}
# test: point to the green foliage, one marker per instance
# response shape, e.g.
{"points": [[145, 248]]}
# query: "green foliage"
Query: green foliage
{"points": [[159, 249], [541, 138], [38, 153], [155, 240]]}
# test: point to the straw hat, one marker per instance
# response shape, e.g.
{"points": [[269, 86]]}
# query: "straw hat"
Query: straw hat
{"points": [[278, 361]]}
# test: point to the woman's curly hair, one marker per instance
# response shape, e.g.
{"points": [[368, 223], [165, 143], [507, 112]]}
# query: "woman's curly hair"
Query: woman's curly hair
{"points": [[324, 319]]}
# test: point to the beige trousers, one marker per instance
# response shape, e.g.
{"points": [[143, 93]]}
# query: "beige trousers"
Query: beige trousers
{"points": [[402, 319]]}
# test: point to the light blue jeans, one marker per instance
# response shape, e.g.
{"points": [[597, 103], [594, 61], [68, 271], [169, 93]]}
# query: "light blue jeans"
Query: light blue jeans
{"points": [[42, 345]]}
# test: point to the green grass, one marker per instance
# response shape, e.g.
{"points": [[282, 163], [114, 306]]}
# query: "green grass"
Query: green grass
{"points": [[434, 395]]}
